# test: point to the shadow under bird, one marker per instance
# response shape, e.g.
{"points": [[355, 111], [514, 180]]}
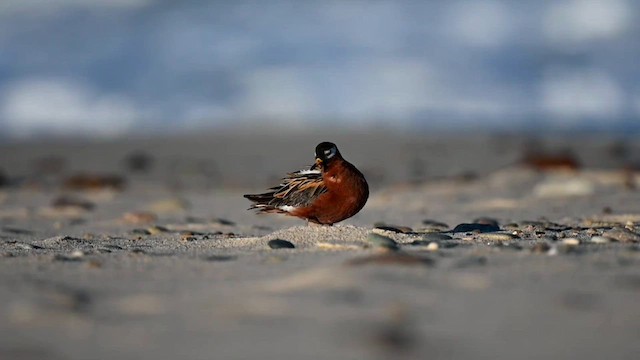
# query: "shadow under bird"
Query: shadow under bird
{"points": [[328, 192]]}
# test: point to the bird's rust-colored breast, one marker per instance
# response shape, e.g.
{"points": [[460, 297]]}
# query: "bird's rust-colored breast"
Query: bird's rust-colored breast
{"points": [[347, 193]]}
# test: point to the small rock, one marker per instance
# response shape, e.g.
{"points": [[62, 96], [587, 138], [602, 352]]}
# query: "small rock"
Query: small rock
{"points": [[381, 241], [219, 258], [481, 228], [433, 246], [4, 179], [280, 244], [600, 240], [622, 235], [186, 238], [571, 241], [495, 236], [154, 230]]}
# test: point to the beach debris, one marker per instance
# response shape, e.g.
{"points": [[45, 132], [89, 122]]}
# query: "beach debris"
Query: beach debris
{"points": [[382, 242], [280, 244], [94, 182], [473, 227], [139, 217]]}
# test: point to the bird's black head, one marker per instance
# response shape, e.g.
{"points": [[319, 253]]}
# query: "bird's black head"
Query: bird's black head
{"points": [[326, 152]]}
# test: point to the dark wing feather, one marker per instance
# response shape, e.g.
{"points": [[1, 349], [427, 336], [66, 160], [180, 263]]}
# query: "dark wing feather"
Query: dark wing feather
{"points": [[298, 189]]}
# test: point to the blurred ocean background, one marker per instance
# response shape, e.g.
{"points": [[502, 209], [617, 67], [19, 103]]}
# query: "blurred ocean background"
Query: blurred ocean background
{"points": [[105, 68]]}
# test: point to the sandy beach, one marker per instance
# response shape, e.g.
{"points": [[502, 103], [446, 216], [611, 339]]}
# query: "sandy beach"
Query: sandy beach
{"points": [[470, 246]]}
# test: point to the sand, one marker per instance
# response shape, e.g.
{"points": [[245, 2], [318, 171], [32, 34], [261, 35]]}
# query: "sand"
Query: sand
{"points": [[161, 259]]}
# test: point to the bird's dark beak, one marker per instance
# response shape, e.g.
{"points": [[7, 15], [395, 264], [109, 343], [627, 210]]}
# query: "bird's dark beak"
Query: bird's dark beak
{"points": [[317, 165]]}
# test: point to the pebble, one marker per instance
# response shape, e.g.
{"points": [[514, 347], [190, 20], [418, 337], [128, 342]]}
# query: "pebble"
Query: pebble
{"points": [[497, 236], [157, 230], [600, 240], [381, 241], [4, 179], [436, 237], [622, 235], [280, 244], [433, 246], [482, 228], [571, 241]]}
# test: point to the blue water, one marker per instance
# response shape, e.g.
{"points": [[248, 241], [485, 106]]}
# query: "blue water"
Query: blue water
{"points": [[110, 67]]}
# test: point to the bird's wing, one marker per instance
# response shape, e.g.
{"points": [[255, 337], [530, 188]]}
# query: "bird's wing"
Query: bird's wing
{"points": [[298, 189]]}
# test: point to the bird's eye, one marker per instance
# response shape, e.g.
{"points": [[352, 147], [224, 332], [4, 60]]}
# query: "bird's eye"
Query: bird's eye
{"points": [[329, 153]]}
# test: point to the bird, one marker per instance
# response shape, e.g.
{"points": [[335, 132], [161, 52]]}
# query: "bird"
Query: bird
{"points": [[327, 192]]}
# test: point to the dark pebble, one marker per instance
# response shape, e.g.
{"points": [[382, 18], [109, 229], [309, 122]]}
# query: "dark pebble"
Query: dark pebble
{"points": [[280, 244], [475, 228]]}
